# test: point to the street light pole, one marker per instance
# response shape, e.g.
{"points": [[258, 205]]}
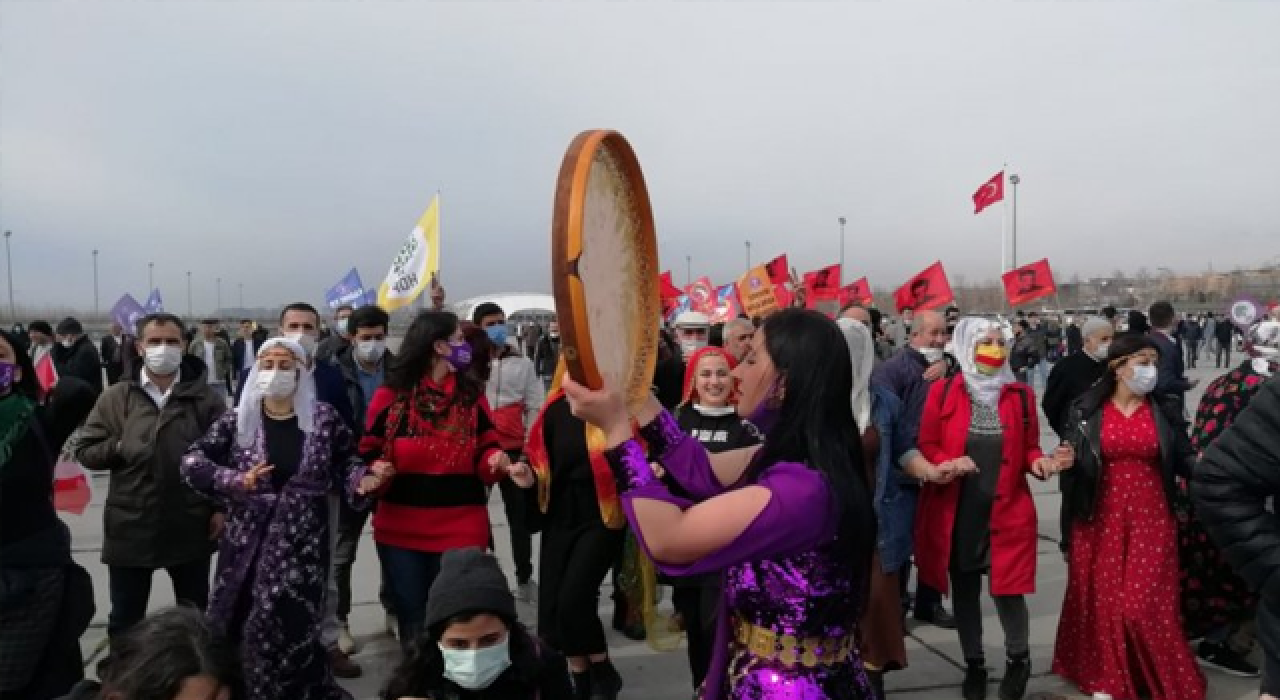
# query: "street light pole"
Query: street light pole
{"points": [[1013, 263], [151, 278], [95, 283], [8, 257], [842, 221], [219, 308], [688, 269], [748, 256], [189, 314], [241, 296]]}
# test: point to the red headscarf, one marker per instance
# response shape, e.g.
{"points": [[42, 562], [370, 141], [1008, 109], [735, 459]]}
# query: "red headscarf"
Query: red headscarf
{"points": [[689, 394]]}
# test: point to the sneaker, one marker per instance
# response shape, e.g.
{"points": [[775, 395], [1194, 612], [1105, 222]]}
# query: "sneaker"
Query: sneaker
{"points": [[527, 592], [1222, 658], [342, 665], [393, 626], [346, 642], [975, 682], [1014, 684]]}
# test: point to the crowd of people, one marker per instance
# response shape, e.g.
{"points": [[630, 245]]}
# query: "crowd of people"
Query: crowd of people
{"points": [[790, 477]]}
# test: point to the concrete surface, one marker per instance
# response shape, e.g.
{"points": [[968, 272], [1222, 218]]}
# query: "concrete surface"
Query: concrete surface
{"points": [[936, 665]]}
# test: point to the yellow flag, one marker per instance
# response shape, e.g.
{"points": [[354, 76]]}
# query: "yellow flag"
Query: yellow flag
{"points": [[416, 264]]}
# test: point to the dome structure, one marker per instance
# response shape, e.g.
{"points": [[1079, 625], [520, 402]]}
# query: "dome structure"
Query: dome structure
{"points": [[517, 306]]}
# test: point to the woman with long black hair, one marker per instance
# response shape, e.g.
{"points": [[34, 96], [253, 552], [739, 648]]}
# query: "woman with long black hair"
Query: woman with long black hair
{"points": [[431, 421], [790, 522]]}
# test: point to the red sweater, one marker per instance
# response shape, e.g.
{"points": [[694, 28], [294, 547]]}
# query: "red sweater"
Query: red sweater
{"points": [[439, 498]]}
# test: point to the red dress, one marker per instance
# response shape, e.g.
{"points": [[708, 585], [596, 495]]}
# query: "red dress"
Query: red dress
{"points": [[1120, 631]]}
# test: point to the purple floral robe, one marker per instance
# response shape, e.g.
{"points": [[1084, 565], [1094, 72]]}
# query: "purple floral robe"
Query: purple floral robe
{"points": [[273, 561]]}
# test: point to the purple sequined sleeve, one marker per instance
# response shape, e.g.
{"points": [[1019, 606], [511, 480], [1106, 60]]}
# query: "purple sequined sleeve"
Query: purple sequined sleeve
{"points": [[684, 458], [798, 517]]}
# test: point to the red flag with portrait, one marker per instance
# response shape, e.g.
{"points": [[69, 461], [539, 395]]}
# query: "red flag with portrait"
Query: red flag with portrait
{"points": [[927, 290], [1029, 282], [822, 285], [856, 292]]}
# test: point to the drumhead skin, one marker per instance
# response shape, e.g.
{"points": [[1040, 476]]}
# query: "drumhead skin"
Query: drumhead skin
{"points": [[604, 266]]}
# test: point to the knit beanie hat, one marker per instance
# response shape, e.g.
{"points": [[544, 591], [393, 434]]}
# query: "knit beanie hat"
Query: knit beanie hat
{"points": [[470, 580]]}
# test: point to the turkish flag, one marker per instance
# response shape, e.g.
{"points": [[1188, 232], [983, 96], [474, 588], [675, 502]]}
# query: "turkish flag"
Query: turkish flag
{"points": [[822, 284], [856, 292], [989, 193], [45, 373], [1029, 282], [778, 270], [702, 296], [72, 488], [927, 290], [669, 290]]}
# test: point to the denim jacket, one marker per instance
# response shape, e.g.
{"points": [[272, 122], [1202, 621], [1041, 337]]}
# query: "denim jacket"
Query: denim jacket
{"points": [[895, 506]]}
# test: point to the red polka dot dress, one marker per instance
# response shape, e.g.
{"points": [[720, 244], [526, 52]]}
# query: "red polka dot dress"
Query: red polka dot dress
{"points": [[1120, 631]]}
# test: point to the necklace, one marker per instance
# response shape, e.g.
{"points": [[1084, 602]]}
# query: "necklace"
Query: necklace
{"points": [[278, 416]]}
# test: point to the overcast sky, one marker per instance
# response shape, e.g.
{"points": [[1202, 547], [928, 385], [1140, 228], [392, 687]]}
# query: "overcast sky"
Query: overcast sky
{"points": [[277, 144]]}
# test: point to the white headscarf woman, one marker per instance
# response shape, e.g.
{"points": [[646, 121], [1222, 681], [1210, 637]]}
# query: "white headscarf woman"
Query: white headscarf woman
{"points": [[984, 361], [863, 354], [277, 383]]}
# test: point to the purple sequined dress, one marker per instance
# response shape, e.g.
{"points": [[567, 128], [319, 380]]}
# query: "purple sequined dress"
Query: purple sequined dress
{"points": [[789, 617]]}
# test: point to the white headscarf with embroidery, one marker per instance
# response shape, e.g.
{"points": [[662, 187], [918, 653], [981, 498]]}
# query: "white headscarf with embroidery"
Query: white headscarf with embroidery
{"points": [[862, 354], [249, 410]]}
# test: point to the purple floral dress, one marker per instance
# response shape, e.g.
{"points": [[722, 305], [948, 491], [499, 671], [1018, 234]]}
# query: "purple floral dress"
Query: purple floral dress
{"points": [[273, 561], [784, 585]]}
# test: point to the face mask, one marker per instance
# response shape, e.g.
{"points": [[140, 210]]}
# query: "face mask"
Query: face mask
{"points": [[7, 372], [497, 334], [163, 360], [277, 383], [688, 347], [307, 342], [476, 669], [67, 343], [988, 359], [932, 355], [1143, 381], [1101, 353], [342, 329], [459, 356], [554, 333], [371, 350]]}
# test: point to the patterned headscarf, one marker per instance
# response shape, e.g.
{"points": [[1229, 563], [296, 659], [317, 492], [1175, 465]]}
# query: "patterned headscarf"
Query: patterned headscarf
{"points": [[984, 388], [862, 354], [249, 410]]}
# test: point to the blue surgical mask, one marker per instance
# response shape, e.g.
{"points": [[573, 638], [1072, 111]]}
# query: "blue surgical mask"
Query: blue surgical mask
{"points": [[497, 334], [477, 669]]}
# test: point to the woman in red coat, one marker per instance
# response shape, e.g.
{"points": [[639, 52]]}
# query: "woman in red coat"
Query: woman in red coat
{"points": [[977, 516]]}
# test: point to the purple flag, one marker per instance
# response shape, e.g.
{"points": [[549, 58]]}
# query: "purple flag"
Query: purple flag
{"points": [[154, 304], [348, 290], [127, 312]]}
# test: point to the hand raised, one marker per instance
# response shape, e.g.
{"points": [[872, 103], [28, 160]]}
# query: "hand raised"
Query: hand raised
{"points": [[249, 481]]}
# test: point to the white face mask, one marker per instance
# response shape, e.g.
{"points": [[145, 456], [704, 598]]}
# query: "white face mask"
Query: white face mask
{"points": [[1143, 380], [1101, 353], [163, 360], [688, 347], [476, 669], [932, 355], [371, 350], [67, 343], [277, 383], [307, 341]]}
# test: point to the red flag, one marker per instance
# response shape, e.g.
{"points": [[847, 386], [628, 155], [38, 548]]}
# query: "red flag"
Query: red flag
{"points": [[856, 292], [45, 372], [669, 290], [927, 290], [72, 490], [989, 193], [822, 285], [702, 296], [778, 270], [1029, 282]]}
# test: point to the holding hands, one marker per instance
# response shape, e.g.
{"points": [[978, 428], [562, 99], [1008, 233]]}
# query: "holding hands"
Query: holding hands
{"points": [[380, 474], [952, 469], [1062, 458], [520, 472]]}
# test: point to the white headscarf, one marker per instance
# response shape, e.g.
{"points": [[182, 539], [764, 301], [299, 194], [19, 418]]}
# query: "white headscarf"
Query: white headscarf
{"points": [[1263, 345], [249, 410], [862, 354], [983, 388]]}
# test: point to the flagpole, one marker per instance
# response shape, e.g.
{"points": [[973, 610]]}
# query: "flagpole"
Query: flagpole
{"points": [[1004, 224], [1013, 243]]}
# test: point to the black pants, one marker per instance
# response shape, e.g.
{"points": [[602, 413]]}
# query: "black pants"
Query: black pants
{"points": [[1192, 353], [573, 565], [131, 591], [698, 603], [350, 528], [926, 596], [1223, 348], [513, 502]]}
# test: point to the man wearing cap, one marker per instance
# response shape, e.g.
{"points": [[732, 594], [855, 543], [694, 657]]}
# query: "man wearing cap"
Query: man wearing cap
{"points": [[216, 355], [693, 329], [75, 355]]}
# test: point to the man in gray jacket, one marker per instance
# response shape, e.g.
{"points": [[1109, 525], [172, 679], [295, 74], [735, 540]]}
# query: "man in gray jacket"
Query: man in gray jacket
{"points": [[138, 431]]}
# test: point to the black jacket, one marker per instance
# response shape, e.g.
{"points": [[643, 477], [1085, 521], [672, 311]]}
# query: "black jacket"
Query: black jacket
{"points": [[112, 358], [346, 361], [1172, 380], [1067, 382], [536, 672], [80, 361], [1080, 483], [546, 356], [1231, 485], [1075, 339]]}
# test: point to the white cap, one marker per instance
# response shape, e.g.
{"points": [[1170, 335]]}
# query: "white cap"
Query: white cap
{"points": [[692, 319]]}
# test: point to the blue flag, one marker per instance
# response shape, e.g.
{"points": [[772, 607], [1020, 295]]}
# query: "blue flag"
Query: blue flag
{"points": [[127, 312], [349, 290], [154, 304]]}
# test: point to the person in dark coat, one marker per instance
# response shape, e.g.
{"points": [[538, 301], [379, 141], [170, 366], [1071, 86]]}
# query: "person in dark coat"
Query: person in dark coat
{"points": [[1225, 333], [1230, 487], [547, 353], [1071, 377], [244, 351], [1172, 378], [139, 431], [475, 648], [111, 350], [75, 356], [1075, 339]]}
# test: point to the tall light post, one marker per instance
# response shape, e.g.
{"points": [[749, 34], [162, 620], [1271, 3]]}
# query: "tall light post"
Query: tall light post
{"points": [[241, 296], [748, 244], [189, 314], [1014, 180], [151, 278], [842, 222], [688, 269], [95, 283], [219, 307], [8, 258]]}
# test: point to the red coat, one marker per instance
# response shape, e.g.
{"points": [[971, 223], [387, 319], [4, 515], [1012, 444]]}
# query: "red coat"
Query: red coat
{"points": [[944, 430]]}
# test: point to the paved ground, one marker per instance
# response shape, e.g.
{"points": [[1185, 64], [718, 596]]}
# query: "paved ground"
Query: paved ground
{"points": [[936, 664]]}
